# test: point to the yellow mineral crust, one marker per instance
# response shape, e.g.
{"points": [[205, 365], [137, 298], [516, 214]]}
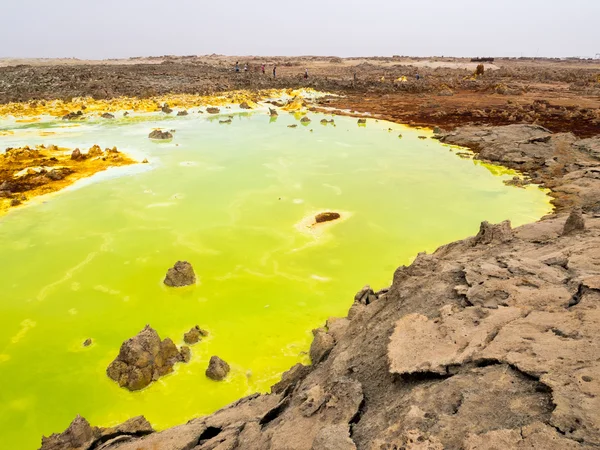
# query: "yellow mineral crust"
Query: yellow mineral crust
{"points": [[27, 172], [90, 106]]}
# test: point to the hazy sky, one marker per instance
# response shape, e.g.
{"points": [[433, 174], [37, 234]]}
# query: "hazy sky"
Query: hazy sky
{"points": [[122, 28]]}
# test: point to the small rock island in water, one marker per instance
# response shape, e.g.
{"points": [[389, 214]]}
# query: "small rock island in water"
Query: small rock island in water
{"points": [[145, 358]]}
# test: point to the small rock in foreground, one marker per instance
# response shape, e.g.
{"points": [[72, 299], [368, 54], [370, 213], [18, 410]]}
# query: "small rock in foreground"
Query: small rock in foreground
{"points": [[181, 274], [217, 369], [194, 335], [87, 342]]}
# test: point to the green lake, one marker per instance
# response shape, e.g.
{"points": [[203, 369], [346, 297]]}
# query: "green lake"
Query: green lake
{"points": [[89, 262]]}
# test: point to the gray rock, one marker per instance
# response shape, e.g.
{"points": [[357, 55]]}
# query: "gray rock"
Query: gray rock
{"points": [[143, 359], [575, 222], [194, 335], [321, 345]]}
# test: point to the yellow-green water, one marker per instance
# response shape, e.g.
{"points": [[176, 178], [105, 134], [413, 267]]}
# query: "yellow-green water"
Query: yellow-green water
{"points": [[89, 262]]}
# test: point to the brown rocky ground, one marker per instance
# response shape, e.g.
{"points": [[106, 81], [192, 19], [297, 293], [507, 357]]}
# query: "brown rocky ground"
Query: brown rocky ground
{"points": [[488, 343]]}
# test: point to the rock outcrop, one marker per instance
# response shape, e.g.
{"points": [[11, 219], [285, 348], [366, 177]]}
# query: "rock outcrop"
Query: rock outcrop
{"points": [[81, 435], [76, 155], [273, 112], [195, 335], [213, 110], [217, 369], [574, 223], [108, 116], [181, 274], [160, 135], [327, 216], [143, 359], [182, 113]]}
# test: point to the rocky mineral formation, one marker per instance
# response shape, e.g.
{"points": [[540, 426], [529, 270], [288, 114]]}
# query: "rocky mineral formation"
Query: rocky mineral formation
{"points": [[107, 116], [166, 109], [273, 112], [161, 135], [143, 359], [81, 435], [326, 217], [245, 105], [574, 223], [195, 335], [73, 116], [305, 120], [362, 121], [181, 274], [217, 369], [182, 113], [213, 110]]}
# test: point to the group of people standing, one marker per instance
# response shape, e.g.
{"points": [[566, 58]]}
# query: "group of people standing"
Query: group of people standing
{"points": [[262, 68]]}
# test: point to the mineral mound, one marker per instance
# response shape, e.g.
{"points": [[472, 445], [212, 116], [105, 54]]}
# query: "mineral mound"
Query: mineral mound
{"points": [[326, 217], [145, 358]]}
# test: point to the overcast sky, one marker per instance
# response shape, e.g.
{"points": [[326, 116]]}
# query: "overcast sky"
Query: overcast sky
{"points": [[123, 28]]}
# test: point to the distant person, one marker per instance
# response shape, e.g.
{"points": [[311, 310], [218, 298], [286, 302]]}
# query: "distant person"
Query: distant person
{"points": [[237, 67], [305, 74], [418, 77], [274, 71], [246, 67], [263, 69], [355, 77]]}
